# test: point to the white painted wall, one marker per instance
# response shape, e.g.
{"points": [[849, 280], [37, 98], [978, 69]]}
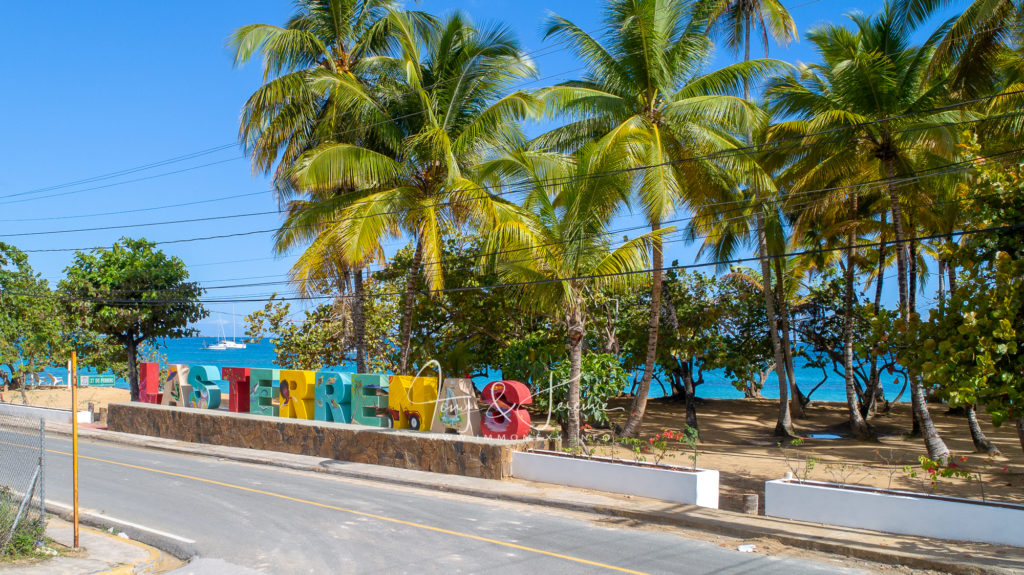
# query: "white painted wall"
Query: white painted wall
{"points": [[47, 413], [694, 488], [898, 512]]}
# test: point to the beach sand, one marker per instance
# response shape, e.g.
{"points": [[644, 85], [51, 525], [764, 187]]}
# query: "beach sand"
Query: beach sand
{"points": [[737, 440], [60, 397]]}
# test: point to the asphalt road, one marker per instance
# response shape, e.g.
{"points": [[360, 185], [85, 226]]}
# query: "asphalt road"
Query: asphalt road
{"points": [[282, 521]]}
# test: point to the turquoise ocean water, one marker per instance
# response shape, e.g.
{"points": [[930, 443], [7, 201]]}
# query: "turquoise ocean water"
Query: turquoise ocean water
{"points": [[716, 385]]}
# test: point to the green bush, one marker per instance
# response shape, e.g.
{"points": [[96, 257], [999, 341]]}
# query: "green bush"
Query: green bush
{"points": [[601, 378]]}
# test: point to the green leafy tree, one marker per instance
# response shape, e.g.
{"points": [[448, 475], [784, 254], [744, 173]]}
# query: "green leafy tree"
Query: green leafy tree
{"points": [[691, 335], [29, 320], [972, 348], [747, 354], [322, 339], [464, 328], [132, 293], [601, 378]]}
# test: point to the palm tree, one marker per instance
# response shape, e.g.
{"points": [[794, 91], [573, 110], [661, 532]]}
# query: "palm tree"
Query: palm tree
{"points": [[556, 248], [736, 20], [644, 90], [440, 106], [869, 112], [724, 224], [324, 44]]}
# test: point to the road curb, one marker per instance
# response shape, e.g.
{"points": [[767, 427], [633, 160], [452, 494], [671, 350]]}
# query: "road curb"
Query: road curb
{"points": [[718, 526], [183, 549]]}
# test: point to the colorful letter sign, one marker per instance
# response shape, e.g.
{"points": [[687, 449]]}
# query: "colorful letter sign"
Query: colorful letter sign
{"points": [[333, 397], [149, 382], [369, 398], [376, 400], [505, 417], [263, 390], [411, 401], [297, 391], [456, 410], [238, 388], [205, 380], [176, 388]]}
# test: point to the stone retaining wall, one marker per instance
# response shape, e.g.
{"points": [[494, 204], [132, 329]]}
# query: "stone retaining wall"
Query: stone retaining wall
{"points": [[440, 453]]}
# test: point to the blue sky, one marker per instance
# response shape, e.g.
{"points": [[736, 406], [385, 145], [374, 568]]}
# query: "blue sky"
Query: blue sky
{"points": [[93, 88]]}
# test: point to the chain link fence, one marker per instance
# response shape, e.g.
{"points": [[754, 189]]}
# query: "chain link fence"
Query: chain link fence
{"points": [[22, 496]]}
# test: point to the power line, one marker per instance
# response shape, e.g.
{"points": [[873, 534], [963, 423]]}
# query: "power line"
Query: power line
{"points": [[529, 184], [105, 186], [526, 183], [138, 210], [200, 153], [860, 189], [814, 251]]}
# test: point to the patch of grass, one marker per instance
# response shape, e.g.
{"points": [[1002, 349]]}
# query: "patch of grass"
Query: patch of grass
{"points": [[28, 531]]}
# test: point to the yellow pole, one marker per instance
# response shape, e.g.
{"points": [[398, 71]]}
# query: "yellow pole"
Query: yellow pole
{"points": [[73, 377]]}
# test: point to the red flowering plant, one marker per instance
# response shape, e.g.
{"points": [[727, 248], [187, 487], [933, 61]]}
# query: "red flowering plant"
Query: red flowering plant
{"points": [[957, 467]]}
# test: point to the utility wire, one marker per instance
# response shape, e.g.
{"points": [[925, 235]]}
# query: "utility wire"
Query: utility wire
{"points": [[788, 208], [813, 251], [527, 184]]}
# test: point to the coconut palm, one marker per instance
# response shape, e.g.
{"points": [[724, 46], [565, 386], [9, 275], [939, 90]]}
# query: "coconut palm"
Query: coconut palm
{"points": [[976, 46], [736, 20], [324, 44], [557, 247], [750, 213], [644, 89], [869, 111], [441, 105]]}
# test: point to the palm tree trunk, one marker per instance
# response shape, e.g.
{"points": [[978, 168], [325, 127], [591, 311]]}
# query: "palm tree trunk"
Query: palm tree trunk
{"points": [[796, 403], [937, 450], [877, 392], [942, 284], [576, 333], [858, 427], [636, 412], [691, 399], [405, 332], [784, 426], [359, 320], [982, 444]]}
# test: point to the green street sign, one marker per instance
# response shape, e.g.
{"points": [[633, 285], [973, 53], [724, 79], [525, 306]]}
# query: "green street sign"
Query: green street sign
{"points": [[100, 380]]}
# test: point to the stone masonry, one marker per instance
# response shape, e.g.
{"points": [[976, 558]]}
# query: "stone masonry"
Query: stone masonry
{"points": [[453, 454]]}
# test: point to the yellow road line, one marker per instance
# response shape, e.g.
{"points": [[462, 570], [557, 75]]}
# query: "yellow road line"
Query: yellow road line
{"points": [[354, 512]]}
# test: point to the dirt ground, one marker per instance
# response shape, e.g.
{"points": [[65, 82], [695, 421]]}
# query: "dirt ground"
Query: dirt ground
{"points": [[736, 439], [60, 397]]}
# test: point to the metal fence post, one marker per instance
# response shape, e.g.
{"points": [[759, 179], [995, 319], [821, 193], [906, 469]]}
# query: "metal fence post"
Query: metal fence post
{"points": [[42, 470]]}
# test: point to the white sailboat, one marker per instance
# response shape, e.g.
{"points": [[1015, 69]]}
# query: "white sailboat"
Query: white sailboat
{"points": [[225, 344], [233, 344]]}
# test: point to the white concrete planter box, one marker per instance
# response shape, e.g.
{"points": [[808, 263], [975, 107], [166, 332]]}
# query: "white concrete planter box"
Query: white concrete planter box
{"points": [[892, 511], [47, 413], [666, 482]]}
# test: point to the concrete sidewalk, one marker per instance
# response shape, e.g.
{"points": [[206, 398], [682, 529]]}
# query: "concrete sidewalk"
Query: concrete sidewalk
{"points": [[100, 552], [914, 552]]}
